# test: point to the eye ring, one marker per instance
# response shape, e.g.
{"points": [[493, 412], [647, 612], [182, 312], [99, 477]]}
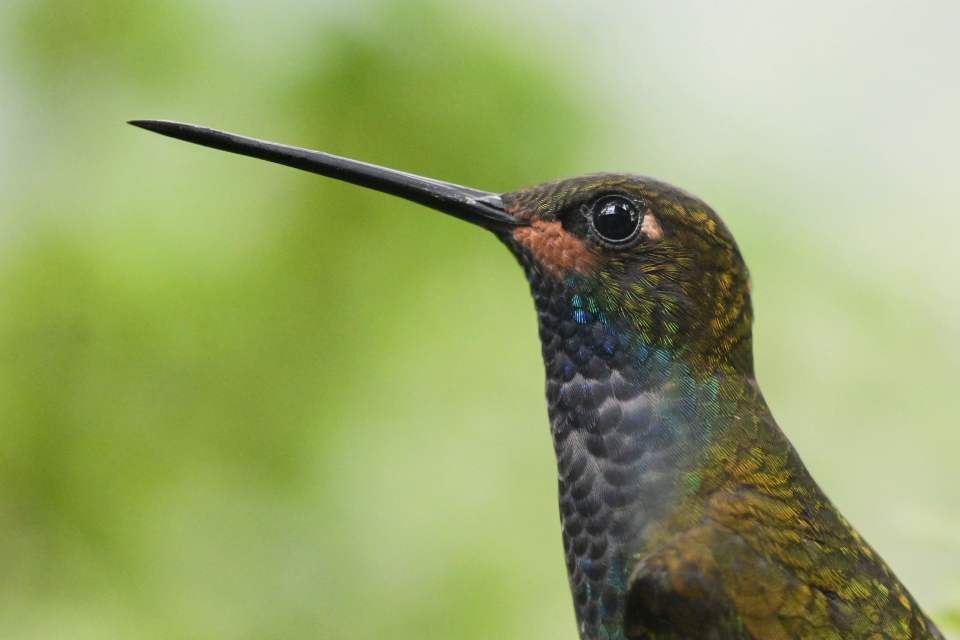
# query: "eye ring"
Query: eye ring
{"points": [[615, 219]]}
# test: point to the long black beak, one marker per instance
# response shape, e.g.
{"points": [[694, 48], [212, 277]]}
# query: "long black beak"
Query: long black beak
{"points": [[479, 207]]}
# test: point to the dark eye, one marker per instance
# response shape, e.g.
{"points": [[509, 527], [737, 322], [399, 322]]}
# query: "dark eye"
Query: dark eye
{"points": [[615, 219]]}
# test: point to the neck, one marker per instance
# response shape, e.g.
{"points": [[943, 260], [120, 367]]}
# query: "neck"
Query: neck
{"points": [[631, 419]]}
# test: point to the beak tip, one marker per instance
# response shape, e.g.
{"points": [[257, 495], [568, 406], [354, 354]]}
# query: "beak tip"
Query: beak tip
{"points": [[183, 131], [163, 127], [143, 124]]}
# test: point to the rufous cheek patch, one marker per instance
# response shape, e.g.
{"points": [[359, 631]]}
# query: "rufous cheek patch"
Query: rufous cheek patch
{"points": [[557, 250]]}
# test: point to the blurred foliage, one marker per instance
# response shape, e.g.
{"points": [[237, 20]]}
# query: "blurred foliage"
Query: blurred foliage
{"points": [[243, 402], [105, 37]]}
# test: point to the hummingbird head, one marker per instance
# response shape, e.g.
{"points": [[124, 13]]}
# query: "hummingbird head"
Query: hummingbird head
{"points": [[650, 262], [640, 254]]}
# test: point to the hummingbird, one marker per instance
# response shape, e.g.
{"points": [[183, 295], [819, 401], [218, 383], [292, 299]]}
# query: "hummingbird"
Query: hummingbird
{"points": [[685, 511]]}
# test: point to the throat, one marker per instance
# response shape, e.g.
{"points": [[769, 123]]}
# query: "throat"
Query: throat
{"points": [[630, 423]]}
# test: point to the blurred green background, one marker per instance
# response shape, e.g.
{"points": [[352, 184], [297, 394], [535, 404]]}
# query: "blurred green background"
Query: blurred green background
{"points": [[239, 401]]}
